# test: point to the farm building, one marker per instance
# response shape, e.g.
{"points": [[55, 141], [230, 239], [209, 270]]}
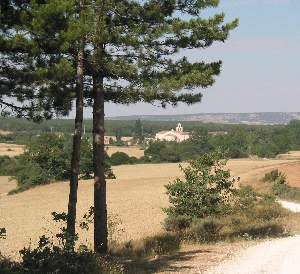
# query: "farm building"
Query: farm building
{"points": [[177, 135]]}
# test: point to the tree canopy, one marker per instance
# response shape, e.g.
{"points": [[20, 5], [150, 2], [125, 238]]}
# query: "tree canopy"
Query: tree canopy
{"points": [[116, 51], [131, 44]]}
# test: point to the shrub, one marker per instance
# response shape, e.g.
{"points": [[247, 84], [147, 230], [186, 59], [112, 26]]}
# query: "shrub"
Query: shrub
{"points": [[205, 230], [272, 176], [177, 223], [133, 160], [169, 155], [6, 165], [48, 258], [145, 159], [205, 191], [119, 158]]}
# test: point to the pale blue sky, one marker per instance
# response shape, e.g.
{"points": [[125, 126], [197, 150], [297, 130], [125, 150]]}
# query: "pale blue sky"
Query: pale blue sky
{"points": [[261, 63]]}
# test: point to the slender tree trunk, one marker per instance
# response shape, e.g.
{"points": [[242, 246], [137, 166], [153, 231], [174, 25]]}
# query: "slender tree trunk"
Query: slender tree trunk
{"points": [[100, 211], [71, 220]]}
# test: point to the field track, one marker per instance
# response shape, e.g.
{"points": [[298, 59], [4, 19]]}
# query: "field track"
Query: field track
{"points": [[135, 197]]}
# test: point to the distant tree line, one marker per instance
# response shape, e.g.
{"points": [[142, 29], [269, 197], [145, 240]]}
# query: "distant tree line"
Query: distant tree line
{"points": [[240, 141], [128, 128]]}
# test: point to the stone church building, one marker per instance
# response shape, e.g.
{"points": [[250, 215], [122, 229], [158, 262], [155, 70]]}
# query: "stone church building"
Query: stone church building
{"points": [[177, 135]]}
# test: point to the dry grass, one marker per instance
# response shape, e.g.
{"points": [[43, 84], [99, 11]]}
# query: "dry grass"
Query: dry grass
{"points": [[10, 150], [136, 197], [4, 132], [130, 151]]}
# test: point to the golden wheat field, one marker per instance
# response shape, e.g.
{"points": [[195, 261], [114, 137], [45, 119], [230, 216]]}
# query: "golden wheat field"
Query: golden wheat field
{"points": [[135, 197], [10, 150], [130, 151], [4, 132]]}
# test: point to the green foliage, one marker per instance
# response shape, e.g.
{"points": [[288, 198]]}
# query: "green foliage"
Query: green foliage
{"points": [[256, 207], [48, 158], [204, 230], [138, 130], [86, 160], [272, 176], [286, 192], [48, 257], [250, 216], [133, 160], [163, 151], [119, 135], [205, 191], [155, 148], [177, 223], [43, 161], [161, 244], [280, 187], [201, 140], [6, 165], [169, 155], [144, 159], [262, 140], [119, 158]]}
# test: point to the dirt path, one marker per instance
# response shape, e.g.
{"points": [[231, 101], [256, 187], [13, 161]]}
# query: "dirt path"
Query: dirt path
{"points": [[272, 257]]}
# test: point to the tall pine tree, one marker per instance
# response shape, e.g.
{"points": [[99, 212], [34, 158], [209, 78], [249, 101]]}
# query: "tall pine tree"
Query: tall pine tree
{"points": [[131, 53]]}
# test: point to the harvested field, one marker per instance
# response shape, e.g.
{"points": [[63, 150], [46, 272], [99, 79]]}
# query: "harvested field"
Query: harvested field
{"points": [[10, 150], [130, 151], [4, 132], [136, 197]]}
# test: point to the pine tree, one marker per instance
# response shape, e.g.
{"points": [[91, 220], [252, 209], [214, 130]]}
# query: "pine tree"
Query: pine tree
{"points": [[131, 54]]}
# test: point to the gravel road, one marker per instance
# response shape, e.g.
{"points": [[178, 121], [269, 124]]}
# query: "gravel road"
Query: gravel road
{"points": [[273, 257], [280, 256]]}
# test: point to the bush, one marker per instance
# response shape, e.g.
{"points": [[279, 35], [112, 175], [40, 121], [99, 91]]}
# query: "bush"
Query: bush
{"points": [[133, 160], [205, 191], [177, 223], [48, 258], [119, 158], [6, 165], [272, 176], [144, 159], [169, 155], [43, 161], [205, 230], [255, 207]]}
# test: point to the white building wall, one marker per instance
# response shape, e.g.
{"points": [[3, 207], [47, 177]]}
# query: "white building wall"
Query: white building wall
{"points": [[172, 135]]}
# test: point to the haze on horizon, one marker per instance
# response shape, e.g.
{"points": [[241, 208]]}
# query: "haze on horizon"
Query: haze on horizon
{"points": [[260, 71]]}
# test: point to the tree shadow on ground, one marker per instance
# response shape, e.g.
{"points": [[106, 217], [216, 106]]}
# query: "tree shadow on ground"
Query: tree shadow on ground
{"points": [[183, 261]]}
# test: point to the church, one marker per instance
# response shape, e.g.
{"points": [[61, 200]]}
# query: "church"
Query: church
{"points": [[177, 135]]}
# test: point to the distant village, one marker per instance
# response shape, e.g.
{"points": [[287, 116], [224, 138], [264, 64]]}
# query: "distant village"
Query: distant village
{"points": [[178, 134]]}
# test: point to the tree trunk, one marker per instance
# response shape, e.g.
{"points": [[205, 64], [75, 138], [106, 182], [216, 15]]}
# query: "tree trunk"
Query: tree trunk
{"points": [[100, 211], [71, 219]]}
